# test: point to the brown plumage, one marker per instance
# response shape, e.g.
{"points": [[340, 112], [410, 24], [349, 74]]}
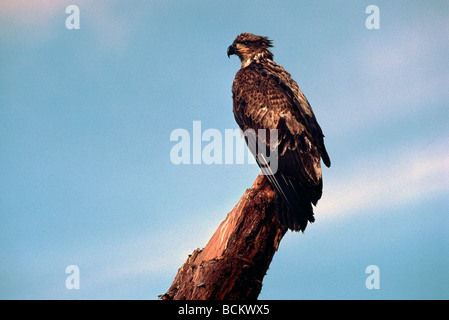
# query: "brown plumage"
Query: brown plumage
{"points": [[266, 97]]}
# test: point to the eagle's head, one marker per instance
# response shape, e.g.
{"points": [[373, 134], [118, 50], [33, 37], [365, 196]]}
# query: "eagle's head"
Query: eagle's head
{"points": [[249, 47]]}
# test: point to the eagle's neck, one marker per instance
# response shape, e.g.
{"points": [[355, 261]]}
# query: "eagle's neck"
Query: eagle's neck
{"points": [[258, 57]]}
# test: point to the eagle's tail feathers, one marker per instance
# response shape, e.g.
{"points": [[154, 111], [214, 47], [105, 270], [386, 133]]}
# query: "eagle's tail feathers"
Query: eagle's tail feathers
{"points": [[297, 211]]}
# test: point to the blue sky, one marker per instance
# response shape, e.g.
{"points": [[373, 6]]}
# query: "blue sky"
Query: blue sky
{"points": [[85, 123]]}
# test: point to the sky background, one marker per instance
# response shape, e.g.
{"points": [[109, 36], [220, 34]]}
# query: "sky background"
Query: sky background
{"points": [[85, 123]]}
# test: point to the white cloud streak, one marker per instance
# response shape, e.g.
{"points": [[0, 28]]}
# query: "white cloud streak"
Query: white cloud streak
{"points": [[386, 180]]}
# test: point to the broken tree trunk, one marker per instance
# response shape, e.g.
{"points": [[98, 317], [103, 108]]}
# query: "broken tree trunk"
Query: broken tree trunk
{"points": [[234, 262]]}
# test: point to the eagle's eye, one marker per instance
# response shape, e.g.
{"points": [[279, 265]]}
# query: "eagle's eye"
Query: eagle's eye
{"points": [[246, 42]]}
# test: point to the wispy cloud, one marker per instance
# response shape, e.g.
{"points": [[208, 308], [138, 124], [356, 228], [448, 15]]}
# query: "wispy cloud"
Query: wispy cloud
{"points": [[151, 256], [387, 180], [30, 12], [38, 21], [400, 71], [401, 74], [26, 21], [408, 67]]}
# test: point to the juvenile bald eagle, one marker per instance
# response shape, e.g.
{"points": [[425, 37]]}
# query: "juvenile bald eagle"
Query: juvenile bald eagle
{"points": [[266, 97]]}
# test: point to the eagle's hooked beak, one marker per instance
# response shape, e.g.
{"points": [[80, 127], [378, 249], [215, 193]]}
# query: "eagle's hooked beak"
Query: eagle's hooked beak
{"points": [[231, 50]]}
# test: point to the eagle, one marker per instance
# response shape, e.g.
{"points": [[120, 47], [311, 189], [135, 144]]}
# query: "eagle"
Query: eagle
{"points": [[265, 97]]}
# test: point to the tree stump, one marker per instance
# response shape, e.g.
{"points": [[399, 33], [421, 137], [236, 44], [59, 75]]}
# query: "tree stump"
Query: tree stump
{"points": [[236, 258]]}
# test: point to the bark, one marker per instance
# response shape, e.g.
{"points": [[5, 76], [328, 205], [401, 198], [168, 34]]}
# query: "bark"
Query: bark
{"points": [[236, 258]]}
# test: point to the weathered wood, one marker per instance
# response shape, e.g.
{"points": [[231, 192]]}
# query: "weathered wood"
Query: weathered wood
{"points": [[236, 259]]}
